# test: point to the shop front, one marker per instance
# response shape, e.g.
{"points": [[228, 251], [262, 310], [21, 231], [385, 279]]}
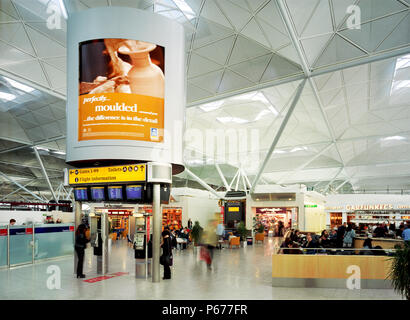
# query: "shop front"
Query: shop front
{"points": [[276, 219]]}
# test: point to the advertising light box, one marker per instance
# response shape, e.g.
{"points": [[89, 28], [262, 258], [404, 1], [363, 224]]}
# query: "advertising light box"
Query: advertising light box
{"points": [[121, 90]]}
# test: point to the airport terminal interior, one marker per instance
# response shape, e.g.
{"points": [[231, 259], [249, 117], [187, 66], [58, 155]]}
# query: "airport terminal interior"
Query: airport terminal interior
{"points": [[204, 149]]}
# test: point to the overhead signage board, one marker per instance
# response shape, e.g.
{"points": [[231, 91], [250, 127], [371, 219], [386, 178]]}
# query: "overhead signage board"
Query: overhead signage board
{"points": [[103, 175]]}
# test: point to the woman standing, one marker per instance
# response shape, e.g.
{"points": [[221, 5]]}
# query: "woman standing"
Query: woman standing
{"points": [[348, 237], [80, 244], [166, 258]]}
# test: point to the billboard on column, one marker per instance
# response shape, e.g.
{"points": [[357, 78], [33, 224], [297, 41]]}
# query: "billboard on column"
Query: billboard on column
{"points": [[126, 88]]}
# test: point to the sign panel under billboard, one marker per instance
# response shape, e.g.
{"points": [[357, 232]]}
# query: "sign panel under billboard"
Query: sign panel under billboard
{"points": [[115, 174]]}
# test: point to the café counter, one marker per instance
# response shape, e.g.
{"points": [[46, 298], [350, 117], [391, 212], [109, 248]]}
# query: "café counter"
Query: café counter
{"points": [[385, 243], [330, 271]]}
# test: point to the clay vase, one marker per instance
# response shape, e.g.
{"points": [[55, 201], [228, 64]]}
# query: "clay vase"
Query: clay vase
{"points": [[145, 77]]}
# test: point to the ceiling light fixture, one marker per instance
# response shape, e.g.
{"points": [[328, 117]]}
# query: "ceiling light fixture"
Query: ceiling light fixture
{"points": [[7, 96], [211, 106], [231, 119], [185, 8], [393, 138], [19, 85]]}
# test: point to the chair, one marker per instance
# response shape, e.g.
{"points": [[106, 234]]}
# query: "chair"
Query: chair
{"points": [[259, 237], [236, 241]]}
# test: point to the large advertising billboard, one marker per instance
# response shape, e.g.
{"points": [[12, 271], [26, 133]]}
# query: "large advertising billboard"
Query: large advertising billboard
{"points": [[121, 90]]}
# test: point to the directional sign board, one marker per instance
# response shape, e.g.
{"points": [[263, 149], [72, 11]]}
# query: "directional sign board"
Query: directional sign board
{"points": [[103, 175]]}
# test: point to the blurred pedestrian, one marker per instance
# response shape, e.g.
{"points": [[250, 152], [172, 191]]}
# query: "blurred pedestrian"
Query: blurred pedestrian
{"points": [[166, 258]]}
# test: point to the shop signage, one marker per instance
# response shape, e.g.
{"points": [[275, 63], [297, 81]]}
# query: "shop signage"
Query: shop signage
{"points": [[271, 210], [233, 209], [367, 207], [3, 232], [370, 207], [116, 174], [310, 205], [29, 230]]}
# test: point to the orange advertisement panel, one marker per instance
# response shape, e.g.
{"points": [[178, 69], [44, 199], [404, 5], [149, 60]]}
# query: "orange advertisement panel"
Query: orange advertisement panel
{"points": [[121, 90], [120, 116]]}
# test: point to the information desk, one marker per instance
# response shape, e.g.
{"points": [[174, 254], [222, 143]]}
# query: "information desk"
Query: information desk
{"points": [[385, 243], [28, 244], [329, 271]]}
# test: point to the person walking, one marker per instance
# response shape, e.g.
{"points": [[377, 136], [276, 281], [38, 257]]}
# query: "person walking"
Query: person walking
{"points": [[166, 258], [80, 245]]}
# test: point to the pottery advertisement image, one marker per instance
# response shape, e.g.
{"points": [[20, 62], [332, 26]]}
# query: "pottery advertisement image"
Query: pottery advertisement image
{"points": [[121, 90]]}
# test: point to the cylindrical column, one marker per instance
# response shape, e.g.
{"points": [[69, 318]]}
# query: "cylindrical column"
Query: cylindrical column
{"points": [[77, 222], [156, 232], [104, 235], [8, 245]]}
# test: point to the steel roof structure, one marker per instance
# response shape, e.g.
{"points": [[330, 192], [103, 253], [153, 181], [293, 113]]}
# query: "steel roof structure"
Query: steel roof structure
{"points": [[318, 101]]}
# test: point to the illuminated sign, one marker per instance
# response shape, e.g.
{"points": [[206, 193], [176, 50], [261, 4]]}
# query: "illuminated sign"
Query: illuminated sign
{"points": [[310, 205], [233, 209], [121, 90], [370, 207], [116, 174]]}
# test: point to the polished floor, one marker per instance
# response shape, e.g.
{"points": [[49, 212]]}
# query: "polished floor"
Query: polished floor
{"points": [[238, 273]]}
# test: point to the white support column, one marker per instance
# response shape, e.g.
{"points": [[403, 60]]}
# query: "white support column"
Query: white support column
{"points": [[202, 183], [222, 177], [45, 173]]}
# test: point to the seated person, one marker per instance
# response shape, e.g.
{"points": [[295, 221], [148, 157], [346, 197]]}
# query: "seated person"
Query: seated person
{"points": [[310, 243], [324, 240], [379, 232], [295, 236], [379, 252], [399, 232], [295, 249], [367, 244], [286, 245]]}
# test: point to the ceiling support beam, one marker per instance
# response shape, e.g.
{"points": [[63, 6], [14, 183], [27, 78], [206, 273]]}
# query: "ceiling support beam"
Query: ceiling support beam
{"points": [[202, 183], [333, 180], [222, 177], [317, 155], [17, 190], [342, 184], [20, 186], [236, 174], [279, 133], [45, 173], [33, 144]]}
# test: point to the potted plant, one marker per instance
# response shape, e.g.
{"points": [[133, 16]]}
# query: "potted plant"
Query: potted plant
{"points": [[196, 233], [243, 232], [400, 271]]}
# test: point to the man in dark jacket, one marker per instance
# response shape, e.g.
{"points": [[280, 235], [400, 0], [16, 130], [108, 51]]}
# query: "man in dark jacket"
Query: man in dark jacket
{"points": [[340, 234]]}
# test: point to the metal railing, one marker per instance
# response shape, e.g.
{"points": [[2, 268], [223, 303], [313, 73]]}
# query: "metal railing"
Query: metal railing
{"points": [[334, 251]]}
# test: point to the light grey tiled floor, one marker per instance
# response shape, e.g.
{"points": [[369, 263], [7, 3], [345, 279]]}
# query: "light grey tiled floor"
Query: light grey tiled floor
{"points": [[243, 273]]}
